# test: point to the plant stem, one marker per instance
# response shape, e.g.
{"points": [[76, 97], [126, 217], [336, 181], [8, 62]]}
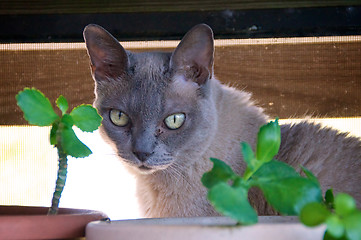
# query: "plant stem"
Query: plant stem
{"points": [[249, 172], [60, 181]]}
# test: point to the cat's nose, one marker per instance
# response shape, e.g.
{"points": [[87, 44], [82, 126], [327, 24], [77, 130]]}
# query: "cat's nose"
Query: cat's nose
{"points": [[143, 156]]}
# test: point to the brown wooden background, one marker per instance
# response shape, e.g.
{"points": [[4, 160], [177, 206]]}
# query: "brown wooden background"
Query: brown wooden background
{"points": [[292, 79]]}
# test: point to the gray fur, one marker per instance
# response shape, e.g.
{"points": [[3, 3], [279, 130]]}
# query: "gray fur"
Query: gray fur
{"points": [[148, 87]]}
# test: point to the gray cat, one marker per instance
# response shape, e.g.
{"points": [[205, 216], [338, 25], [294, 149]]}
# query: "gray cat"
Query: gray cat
{"points": [[166, 114]]}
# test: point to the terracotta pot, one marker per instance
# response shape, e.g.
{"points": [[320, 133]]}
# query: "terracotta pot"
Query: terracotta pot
{"points": [[18, 222], [210, 228]]}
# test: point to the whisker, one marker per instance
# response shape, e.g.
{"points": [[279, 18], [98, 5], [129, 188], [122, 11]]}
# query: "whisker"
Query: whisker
{"points": [[175, 169]]}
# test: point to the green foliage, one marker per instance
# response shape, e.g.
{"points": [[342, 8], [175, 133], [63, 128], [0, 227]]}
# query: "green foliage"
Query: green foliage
{"points": [[269, 141], [62, 104], [230, 200], [342, 218], [233, 202], [36, 107], [285, 190], [86, 118], [344, 204], [39, 111], [329, 198], [221, 172], [314, 214], [310, 176], [268, 144], [72, 145]]}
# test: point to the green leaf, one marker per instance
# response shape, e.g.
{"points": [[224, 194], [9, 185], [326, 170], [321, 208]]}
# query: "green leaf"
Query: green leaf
{"points": [[268, 141], [274, 170], [352, 225], [72, 145], [284, 189], [328, 236], [290, 195], [310, 175], [329, 198], [344, 204], [36, 107], [67, 120], [248, 155], [86, 118], [62, 104], [334, 226], [313, 214], [232, 202], [220, 172], [252, 163]]}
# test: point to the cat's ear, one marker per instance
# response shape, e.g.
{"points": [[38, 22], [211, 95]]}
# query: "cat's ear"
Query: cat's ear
{"points": [[194, 55], [108, 58]]}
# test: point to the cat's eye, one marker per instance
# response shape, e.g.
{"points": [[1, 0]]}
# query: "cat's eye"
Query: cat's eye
{"points": [[119, 118], [175, 121]]}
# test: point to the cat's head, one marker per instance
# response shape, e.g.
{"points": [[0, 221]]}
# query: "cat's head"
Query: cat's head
{"points": [[157, 108]]}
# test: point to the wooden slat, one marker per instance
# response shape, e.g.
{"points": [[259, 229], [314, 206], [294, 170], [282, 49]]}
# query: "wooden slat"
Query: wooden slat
{"points": [[130, 6], [242, 24], [288, 77], [289, 80]]}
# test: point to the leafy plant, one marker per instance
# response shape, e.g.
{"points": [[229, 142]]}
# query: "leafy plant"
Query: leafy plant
{"points": [[285, 190], [342, 218], [39, 111]]}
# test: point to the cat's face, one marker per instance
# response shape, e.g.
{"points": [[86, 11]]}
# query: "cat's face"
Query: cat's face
{"points": [[156, 107]]}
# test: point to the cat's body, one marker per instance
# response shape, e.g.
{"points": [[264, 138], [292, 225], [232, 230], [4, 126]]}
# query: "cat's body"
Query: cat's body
{"points": [[166, 114]]}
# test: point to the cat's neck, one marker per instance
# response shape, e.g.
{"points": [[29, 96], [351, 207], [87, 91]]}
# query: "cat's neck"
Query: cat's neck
{"points": [[168, 193]]}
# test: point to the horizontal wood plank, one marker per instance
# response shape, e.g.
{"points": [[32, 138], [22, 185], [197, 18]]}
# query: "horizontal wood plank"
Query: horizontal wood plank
{"points": [[288, 77], [147, 26], [131, 6]]}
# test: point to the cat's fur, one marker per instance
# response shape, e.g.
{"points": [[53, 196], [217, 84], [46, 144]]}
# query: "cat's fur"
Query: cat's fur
{"points": [[168, 164]]}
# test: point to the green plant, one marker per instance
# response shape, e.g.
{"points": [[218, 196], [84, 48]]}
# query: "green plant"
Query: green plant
{"points": [[39, 111], [284, 189], [339, 213]]}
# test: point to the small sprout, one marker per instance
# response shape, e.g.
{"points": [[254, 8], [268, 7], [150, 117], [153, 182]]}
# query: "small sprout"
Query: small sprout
{"points": [[39, 111], [268, 141]]}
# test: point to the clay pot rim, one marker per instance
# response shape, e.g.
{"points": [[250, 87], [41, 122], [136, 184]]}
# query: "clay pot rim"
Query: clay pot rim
{"points": [[17, 210], [34, 223]]}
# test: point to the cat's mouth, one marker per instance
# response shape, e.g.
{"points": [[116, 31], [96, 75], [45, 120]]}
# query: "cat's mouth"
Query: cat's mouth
{"points": [[144, 168]]}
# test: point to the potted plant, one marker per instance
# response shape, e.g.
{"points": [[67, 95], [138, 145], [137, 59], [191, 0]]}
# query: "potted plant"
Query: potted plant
{"points": [[52, 223], [285, 190]]}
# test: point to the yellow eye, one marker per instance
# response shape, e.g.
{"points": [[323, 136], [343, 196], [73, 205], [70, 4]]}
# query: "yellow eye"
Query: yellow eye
{"points": [[175, 121], [119, 118]]}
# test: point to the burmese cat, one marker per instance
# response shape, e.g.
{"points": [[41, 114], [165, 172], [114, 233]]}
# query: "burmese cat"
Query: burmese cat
{"points": [[166, 114]]}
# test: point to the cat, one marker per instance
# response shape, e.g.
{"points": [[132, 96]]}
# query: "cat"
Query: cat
{"points": [[166, 114]]}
